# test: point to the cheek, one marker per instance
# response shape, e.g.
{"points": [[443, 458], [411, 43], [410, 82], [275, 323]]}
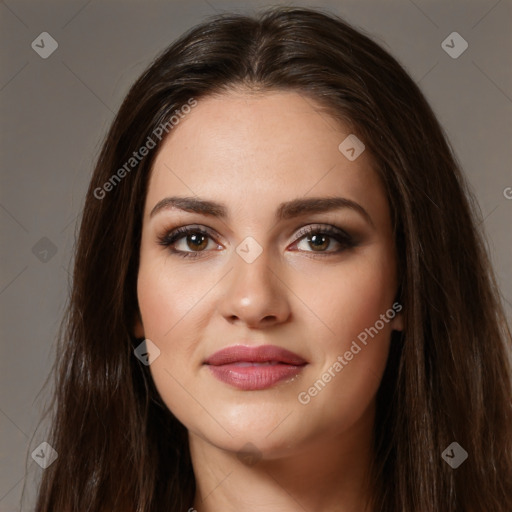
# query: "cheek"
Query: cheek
{"points": [[166, 298], [350, 297], [163, 312], [352, 353], [172, 309]]}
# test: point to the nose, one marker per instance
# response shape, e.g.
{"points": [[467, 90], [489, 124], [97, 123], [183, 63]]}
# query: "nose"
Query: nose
{"points": [[255, 294]]}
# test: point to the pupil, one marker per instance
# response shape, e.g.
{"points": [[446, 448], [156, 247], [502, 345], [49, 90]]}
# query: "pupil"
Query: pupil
{"points": [[318, 238], [197, 240]]}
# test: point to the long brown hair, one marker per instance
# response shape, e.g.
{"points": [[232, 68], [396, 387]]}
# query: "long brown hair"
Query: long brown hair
{"points": [[448, 376]]}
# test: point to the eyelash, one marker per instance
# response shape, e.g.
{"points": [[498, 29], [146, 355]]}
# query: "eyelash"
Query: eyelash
{"points": [[343, 238]]}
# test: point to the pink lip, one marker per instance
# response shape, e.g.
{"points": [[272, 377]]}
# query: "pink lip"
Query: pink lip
{"points": [[252, 368]]}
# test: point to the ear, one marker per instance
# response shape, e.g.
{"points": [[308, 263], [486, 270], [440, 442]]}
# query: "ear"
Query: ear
{"points": [[138, 328]]}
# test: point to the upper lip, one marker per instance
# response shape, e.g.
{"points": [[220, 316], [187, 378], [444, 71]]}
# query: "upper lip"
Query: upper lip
{"points": [[254, 354]]}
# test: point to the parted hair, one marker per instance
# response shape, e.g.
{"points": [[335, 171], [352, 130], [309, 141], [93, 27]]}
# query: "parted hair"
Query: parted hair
{"points": [[448, 375]]}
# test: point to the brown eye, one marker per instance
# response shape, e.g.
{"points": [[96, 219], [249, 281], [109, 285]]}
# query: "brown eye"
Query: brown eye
{"points": [[318, 242], [196, 241], [187, 241], [322, 239]]}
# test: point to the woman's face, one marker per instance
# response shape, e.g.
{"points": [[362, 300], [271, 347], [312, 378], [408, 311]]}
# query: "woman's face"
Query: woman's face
{"points": [[273, 265]]}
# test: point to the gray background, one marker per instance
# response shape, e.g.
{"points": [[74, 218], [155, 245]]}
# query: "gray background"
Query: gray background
{"points": [[55, 112]]}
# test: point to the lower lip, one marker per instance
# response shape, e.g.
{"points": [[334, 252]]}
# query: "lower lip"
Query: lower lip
{"points": [[250, 378]]}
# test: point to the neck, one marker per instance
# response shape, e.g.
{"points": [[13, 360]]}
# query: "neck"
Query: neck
{"points": [[330, 473]]}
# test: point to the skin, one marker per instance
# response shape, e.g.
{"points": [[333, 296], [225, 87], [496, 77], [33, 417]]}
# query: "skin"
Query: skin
{"points": [[251, 152]]}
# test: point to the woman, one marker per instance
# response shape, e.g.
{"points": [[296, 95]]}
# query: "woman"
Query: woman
{"points": [[280, 299]]}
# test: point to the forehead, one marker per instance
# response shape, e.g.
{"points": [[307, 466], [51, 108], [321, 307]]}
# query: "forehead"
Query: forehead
{"points": [[247, 149]]}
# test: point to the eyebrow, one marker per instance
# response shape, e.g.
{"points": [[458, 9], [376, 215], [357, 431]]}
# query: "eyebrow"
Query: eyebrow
{"points": [[286, 210]]}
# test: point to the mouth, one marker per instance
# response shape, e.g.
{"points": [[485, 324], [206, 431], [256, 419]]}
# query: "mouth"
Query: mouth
{"points": [[251, 368]]}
